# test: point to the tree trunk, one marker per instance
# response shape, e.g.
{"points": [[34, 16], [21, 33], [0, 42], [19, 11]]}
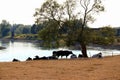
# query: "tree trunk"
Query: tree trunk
{"points": [[84, 50]]}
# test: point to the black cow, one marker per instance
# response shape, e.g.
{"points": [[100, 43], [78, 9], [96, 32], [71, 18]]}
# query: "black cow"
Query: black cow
{"points": [[40, 58], [15, 60], [80, 56], [28, 59], [62, 53], [43, 58], [73, 56], [52, 58], [99, 55], [36, 58]]}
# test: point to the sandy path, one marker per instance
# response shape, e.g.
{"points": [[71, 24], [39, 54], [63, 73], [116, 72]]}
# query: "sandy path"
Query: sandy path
{"points": [[79, 69]]}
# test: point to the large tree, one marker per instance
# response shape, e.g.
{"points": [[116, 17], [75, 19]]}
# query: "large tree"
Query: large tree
{"points": [[88, 9], [66, 15]]}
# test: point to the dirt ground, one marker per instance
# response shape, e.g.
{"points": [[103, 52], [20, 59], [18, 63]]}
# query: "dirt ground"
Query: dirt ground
{"points": [[107, 68]]}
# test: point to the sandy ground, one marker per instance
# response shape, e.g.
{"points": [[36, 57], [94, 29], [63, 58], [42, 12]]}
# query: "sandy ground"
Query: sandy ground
{"points": [[107, 68]]}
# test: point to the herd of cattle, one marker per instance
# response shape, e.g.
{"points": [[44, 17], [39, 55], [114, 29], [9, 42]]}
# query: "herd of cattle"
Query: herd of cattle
{"points": [[60, 53]]}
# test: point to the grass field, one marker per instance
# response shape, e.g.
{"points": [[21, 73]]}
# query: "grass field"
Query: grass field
{"points": [[107, 68]]}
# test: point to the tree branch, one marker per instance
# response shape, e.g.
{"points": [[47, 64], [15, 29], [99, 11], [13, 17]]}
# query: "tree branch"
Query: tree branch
{"points": [[82, 4], [93, 6]]}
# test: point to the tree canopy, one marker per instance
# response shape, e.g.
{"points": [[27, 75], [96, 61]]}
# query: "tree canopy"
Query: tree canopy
{"points": [[64, 14]]}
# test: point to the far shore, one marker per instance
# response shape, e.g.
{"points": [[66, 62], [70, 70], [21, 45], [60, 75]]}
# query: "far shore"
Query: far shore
{"points": [[112, 46], [19, 40]]}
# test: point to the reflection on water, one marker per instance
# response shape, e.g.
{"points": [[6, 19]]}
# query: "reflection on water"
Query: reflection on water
{"points": [[4, 43], [23, 50]]}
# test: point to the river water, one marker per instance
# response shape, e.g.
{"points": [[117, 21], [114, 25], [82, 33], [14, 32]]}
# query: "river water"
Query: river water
{"points": [[23, 50]]}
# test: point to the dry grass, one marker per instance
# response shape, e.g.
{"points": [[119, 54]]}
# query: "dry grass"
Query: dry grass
{"points": [[79, 69]]}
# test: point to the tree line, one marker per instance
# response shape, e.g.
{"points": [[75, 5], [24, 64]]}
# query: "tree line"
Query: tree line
{"points": [[43, 31], [13, 30]]}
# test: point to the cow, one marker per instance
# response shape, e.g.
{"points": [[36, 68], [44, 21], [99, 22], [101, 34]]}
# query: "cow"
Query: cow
{"points": [[52, 58], [36, 58], [28, 59], [43, 58], [99, 55], [80, 56], [61, 53], [73, 56], [15, 60]]}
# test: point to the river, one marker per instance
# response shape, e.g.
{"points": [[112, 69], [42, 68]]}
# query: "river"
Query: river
{"points": [[23, 50]]}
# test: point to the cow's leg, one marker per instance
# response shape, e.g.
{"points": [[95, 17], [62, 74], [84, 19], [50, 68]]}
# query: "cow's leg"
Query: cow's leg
{"points": [[61, 57], [57, 56], [66, 56]]}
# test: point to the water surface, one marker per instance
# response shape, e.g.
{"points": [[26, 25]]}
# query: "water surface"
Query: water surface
{"points": [[23, 50]]}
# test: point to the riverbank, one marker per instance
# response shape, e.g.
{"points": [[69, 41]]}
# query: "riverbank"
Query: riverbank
{"points": [[112, 46], [18, 40], [107, 68]]}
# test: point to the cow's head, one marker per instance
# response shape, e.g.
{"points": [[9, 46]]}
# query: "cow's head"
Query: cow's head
{"points": [[54, 53]]}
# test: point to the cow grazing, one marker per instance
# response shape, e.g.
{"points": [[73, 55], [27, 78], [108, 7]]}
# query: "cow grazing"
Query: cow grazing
{"points": [[61, 53]]}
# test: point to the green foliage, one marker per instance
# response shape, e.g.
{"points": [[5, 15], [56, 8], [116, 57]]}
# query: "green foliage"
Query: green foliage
{"points": [[72, 31], [49, 10], [7, 30], [105, 36], [34, 29], [49, 34], [26, 30], [66, 26], [22, 29], [4, 28]]}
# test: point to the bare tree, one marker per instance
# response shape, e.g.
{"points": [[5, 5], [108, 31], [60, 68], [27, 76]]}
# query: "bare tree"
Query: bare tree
{"points": [[89, 8]]}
